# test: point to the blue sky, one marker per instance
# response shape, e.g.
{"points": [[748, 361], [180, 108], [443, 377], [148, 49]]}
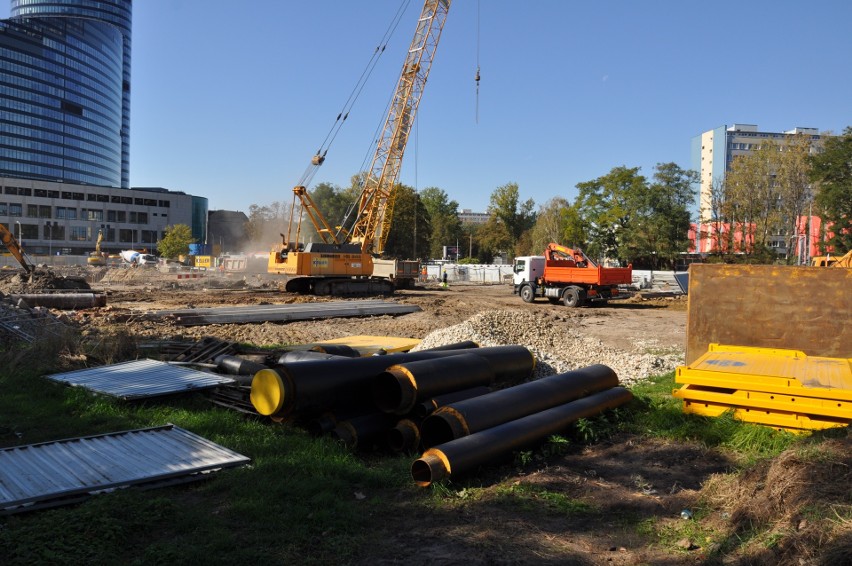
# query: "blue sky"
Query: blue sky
{"points": [[231, 99]]}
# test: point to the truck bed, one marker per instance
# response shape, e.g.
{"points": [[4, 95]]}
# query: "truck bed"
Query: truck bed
{"points": [[556, 274]]}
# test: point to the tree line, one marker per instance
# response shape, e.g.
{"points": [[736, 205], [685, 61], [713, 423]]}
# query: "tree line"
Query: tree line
{"points": [[622, 215]]}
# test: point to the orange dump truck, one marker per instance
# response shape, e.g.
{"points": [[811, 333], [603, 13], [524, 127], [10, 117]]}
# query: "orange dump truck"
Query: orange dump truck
{"points": [[567, 275]]}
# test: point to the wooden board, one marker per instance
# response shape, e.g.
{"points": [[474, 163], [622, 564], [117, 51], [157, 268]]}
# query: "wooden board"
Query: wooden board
{"points": [[770, 306]]}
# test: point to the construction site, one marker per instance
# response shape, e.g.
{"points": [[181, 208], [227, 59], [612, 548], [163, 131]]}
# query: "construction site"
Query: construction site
{"points": [[340, 406]]}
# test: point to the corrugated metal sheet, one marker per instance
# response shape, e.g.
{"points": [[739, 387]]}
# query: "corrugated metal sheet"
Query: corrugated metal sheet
{"points": [[285, 313], [63, 471], [140, 378]]}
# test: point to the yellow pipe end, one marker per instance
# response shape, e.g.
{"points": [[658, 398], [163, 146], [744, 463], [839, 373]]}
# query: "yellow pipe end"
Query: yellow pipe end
{"points": [[267, 392], [432, 466]]}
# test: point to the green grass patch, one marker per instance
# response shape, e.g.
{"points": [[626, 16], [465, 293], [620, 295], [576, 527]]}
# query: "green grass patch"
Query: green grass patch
{"points": [[655, 412], [532, 498]]}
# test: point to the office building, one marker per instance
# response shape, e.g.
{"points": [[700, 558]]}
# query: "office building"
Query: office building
{"points": [[65, 130], [713, 153], [714, 150]]}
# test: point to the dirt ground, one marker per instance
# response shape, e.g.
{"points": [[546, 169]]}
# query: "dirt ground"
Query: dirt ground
{"points": [[632, 484]]}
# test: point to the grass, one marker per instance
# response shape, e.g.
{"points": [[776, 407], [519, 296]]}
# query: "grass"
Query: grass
{"points": [[302, 499]]}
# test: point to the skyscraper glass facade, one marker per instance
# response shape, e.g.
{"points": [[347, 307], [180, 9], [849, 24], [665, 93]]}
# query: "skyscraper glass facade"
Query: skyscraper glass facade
{"points": [[65, 91]]}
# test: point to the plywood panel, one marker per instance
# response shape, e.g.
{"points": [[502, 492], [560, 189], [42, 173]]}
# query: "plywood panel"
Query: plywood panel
{"points": [[770, 306]]}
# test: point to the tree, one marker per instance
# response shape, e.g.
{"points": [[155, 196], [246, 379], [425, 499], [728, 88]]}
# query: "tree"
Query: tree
{"points": [[410, 232], [663, 230], [266, 223], [793, 186], [176, 241], [831, 171], [609, 206], [557, 221], [753, 197], [444, 217], [516, 217]]}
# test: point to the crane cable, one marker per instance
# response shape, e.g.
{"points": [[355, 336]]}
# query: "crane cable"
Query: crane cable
{"points": [[478, 4], [321, 153]]}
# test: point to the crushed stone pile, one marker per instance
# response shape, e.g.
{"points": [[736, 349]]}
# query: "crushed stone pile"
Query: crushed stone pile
{"points": [[556, 350]]}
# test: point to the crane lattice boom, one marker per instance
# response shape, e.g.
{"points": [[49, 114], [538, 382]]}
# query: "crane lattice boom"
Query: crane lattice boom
{"points": [[376, 204]]}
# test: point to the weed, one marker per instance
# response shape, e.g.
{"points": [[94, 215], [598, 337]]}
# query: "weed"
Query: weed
{"points": [[530, 497]]}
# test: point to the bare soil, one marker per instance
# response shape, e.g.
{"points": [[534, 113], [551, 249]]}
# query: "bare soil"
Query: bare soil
{"points": [[630, 489]]}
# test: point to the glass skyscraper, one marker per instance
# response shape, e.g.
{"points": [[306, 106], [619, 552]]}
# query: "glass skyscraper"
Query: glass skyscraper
{"points": [[65, 91]]}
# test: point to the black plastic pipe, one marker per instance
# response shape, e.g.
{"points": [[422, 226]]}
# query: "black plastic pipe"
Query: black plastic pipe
{"points": [[467, 453], [294, 356], [235, 365], [400, 387], [463, 345], [337, 350], [404, 436], [315, 386], [358, 432], [426, 408], [473, 415]]}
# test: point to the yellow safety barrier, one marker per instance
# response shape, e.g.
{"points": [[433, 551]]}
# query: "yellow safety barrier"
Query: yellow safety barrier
{"points": [[772, 386]]}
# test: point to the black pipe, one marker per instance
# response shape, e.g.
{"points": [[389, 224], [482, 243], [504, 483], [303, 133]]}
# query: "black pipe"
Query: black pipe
{"points": [[426, 408], [400, 387], [404, 437], [473, 415], [337, 350], [235, 365], [314, 386], [294, 356], [357, 432], [467, 453], [463, 345]]}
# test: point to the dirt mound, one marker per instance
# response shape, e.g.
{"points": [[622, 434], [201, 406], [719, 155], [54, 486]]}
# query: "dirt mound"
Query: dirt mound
{"points": [[38, 281], [795, 507]]}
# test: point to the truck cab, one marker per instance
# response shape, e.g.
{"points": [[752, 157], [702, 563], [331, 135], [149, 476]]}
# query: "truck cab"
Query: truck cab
{"points": [[527, 270]]}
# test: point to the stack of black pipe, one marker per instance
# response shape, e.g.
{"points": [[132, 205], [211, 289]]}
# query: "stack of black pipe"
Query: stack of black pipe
{"points": [[463, 405]]}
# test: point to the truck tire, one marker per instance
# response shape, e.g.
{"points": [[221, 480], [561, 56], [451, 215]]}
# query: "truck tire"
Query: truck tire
{"points": [[571, 297], [527, 294]]}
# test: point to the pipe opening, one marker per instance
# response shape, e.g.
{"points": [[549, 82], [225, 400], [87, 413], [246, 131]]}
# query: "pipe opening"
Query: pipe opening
{"points": [[387, 392], [436, 430], [428, 469]]}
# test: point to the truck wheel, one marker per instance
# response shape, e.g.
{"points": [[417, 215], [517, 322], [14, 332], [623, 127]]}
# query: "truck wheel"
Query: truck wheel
{"points": [[527, 294], [571, 297]]}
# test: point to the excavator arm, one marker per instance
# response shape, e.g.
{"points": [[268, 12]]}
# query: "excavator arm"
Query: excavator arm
{"points": [[13, 246]]}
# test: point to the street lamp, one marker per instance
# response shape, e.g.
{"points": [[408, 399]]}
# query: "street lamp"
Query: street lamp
{"points": [[20, 235]]}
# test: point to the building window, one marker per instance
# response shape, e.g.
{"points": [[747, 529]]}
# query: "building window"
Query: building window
{"points": [[149, 236], [4, 209], [126, 236], [16, 210], [79, 234], [11, 190], [32, 211]]}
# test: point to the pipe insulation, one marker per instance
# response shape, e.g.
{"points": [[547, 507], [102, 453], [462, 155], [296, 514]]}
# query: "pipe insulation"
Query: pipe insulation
{"points": [[467, 453], [312, 386], [400, 387], [473, 415]]}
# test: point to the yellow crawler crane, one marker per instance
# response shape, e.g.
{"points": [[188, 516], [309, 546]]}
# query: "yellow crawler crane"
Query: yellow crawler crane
{"points": [[344, 262], [780, 388]]}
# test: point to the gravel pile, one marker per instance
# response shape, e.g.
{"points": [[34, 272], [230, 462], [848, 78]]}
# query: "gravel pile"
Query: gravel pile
{"points": [[557, 350]]}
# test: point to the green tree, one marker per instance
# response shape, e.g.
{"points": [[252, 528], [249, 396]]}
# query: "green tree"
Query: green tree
{"points": [[753, 196], [794, 187], [410, 231], [515, 216], [610, 206], [557, 221], [831, 171], [176, 241], [444, 218], [332, 202], [663, 228]]}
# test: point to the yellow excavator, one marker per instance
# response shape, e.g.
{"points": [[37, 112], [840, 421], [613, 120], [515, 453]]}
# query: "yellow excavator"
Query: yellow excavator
{"points": [[832, 261], [96, 258], [347, 262], [13, 246]]}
